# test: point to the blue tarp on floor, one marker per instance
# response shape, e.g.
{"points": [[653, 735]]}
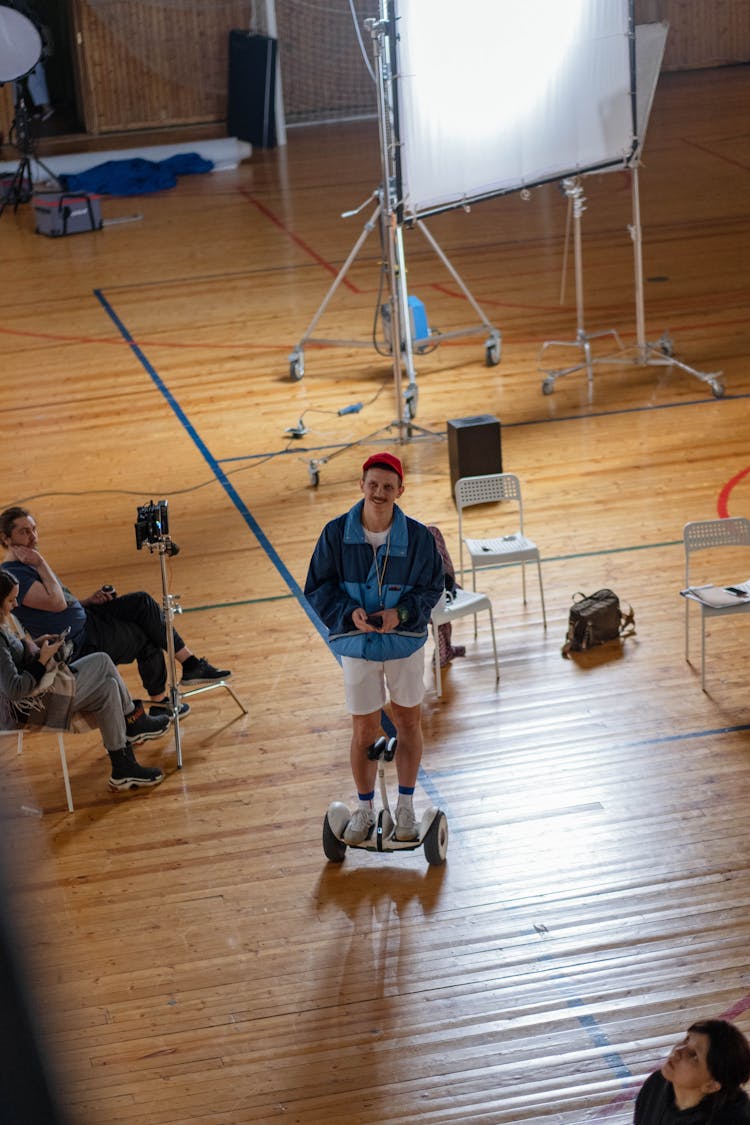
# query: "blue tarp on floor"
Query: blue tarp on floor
{"points": [[136, 176]]}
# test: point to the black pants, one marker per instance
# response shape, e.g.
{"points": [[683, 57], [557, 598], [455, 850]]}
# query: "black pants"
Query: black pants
{"points": [[131, 627]]}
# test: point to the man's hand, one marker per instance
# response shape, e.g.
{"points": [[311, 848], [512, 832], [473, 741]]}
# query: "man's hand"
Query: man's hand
{"points": [[99, 597], [388, 617], [25, 555]]}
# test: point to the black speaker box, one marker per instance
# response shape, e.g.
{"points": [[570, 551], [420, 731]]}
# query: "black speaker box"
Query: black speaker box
{"points": [[474, 447], [251, 114]]}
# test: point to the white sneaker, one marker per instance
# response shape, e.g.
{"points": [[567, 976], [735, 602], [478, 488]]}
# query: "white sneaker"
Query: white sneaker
{"points": [[360, 826], [406, 823]]}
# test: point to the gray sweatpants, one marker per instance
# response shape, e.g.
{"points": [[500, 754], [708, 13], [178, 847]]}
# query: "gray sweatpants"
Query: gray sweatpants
{"points": [[101, 692]]}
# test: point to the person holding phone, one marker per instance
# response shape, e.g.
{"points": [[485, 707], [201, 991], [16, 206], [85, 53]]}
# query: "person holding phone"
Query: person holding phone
{"points": [[373, 579], [96, 689], [128, 627]]}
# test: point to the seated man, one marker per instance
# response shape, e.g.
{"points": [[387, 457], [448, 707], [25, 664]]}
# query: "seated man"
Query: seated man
{"points": [[126, 628], [91, 686]]}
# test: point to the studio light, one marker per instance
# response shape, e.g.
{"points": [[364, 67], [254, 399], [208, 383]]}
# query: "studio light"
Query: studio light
{"points": [[20, 45], [495, 96]]}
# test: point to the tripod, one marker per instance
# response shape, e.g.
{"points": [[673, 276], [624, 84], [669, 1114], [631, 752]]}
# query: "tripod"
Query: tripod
{"points": [[573, 189], [21, 185], [643, 353], [171, 605]]}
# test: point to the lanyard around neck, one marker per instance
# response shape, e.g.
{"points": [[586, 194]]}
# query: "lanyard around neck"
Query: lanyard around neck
{"points": [[380, 572]]}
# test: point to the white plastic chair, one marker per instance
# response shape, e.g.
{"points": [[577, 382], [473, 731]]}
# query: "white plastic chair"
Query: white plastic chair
{"points": [[464, 603], [63, 759], [505, 550], [702, 535]]}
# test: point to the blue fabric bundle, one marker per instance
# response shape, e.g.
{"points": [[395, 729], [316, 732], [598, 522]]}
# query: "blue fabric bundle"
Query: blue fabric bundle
{"points": [[136, 176]]}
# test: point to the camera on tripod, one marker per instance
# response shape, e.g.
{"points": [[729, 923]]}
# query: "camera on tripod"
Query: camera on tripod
{"points": [[152, 523]]}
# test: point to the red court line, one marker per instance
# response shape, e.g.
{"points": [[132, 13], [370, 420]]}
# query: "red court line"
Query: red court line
{"points": [[119, 342], [273, 218], [737, 1009], [723, 504]]}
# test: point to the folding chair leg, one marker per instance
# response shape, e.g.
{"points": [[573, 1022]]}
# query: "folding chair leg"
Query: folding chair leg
{"points": [[703, 652], [436, 662], [541, 591], [494, 646], [66, 779], [523, 581], [474, 589]]}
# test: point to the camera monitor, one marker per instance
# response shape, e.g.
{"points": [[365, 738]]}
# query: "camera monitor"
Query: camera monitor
{"points": [[152, 523]]}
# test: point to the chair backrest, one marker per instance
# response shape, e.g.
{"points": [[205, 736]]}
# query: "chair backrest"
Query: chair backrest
{"points": [[700, 535], [489, 489]]}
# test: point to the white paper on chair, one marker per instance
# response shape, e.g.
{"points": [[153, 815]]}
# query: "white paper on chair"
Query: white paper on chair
{"points": [[719, 597]]}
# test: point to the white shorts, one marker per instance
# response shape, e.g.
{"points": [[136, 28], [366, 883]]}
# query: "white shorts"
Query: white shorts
{"points": [[365, 682]]}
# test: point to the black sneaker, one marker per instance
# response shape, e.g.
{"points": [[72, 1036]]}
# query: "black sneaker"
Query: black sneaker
{"points": [[129, 774], [139, 727], [197, 669], [163, 707]]}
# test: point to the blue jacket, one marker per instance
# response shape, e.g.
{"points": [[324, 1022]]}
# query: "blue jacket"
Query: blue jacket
{"points": [[343, 576]]}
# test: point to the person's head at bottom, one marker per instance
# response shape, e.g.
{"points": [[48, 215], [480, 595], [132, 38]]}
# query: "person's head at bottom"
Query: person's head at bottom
{"points": [[709, 1068]]}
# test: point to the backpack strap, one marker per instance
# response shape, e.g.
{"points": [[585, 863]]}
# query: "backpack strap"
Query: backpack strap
{"points": [[627, 623]]}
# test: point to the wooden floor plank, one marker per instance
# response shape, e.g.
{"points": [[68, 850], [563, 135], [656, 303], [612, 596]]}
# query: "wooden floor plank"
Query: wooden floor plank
{"points": [[195, 956]]}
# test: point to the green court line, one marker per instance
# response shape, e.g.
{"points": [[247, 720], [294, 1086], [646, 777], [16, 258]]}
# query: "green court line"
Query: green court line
{"points": [[548, 559]]}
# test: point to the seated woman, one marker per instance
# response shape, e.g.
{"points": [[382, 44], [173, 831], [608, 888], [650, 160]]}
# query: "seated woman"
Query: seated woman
{"points": [[700, 1083], [96, 690]]}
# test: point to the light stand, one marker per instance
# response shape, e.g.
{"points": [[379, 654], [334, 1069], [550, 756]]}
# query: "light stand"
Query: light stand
{"points": [[152, 531], [660, 354], [573, 189], [164, 546], [643, 353], [171, 606], [389, 217], [20, 136]]}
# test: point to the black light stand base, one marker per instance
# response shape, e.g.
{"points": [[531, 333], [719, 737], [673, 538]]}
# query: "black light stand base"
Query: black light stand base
{"points": [[21, 187]]}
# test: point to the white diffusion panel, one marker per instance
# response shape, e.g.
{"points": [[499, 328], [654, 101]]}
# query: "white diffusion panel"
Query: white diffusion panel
{"points": [[497, 95]]}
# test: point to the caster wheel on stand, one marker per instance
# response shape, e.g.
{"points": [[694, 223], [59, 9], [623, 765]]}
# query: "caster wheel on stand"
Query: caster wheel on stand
{"points": [[296, 367]]}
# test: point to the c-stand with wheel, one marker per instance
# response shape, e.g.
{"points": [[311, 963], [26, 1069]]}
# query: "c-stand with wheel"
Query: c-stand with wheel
{"points": [[405, 337]]}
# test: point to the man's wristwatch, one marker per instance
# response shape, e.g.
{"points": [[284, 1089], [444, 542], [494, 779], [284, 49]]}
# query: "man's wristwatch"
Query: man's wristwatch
{"points": [[403, 614]]}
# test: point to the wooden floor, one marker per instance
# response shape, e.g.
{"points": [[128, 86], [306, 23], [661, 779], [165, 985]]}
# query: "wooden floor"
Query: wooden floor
{"points": [[195, 957]]}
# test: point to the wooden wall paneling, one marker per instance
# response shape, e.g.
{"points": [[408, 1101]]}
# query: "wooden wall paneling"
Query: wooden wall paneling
{"points": [[6, 110], [700, 34], [707, 34], [152, 65]]}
